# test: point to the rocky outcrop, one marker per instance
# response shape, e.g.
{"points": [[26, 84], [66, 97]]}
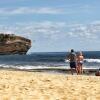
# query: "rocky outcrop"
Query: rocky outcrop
{"points": [[11, 44]]}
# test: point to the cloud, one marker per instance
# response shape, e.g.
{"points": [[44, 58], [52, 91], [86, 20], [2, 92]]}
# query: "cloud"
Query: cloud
{"points": [[84, 31], [55, 30], [30, 10], [69, 10]]}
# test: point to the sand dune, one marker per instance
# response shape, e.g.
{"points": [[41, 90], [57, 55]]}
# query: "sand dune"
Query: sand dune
{"points": [[21, 85]]}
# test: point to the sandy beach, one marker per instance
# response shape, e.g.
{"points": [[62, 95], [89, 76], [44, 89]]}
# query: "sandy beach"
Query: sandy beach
{"points": [[22, 85]]}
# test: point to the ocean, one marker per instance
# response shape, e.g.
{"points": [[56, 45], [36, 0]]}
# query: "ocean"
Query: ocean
{"points": [[47, 60]]}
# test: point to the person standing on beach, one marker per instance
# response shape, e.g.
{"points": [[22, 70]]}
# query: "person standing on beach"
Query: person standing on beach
{"points": [[73, 61], [97, 72], [80, 59]]}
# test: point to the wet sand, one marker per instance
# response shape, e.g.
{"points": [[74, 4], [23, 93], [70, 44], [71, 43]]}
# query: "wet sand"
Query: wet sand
{"points": [[23, 85]]}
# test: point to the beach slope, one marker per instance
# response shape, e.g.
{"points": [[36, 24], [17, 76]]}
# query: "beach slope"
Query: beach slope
{"points": [[22, 85]]}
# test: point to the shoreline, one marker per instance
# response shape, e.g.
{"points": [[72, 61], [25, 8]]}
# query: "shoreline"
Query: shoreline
{"points": [[59, 70]]}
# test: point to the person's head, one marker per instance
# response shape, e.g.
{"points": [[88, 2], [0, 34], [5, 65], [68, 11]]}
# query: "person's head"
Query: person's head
{"points": [[80, 53], [72, 50]]}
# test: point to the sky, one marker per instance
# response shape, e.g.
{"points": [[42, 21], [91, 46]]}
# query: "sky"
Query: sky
{"points": [[53, 25]]}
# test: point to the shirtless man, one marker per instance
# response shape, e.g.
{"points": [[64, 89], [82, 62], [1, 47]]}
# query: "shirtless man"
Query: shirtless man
{"points": [[73, 61]]}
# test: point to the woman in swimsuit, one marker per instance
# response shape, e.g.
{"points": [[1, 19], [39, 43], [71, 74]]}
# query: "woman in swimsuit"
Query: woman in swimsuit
{"points": [[80, 62]]}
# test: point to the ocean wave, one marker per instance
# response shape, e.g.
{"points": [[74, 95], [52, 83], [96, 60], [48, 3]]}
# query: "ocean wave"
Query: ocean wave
{"points": [[92, 60], [27, 67], [88, 60]]}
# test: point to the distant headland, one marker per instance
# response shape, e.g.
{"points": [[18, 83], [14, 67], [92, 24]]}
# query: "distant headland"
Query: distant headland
{"points": [[12, 44]]}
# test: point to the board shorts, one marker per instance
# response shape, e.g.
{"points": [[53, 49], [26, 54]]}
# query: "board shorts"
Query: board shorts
{"points": [[73, 65]]}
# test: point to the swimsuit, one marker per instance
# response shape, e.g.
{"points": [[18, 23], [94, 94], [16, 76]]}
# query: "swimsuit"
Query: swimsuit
{"points": [[80, 62]]}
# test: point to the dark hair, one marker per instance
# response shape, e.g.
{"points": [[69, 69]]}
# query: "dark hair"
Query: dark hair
{"points": [[72, 50]]}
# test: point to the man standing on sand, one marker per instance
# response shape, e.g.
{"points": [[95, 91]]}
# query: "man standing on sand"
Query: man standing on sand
{"points": [[73, 61]]}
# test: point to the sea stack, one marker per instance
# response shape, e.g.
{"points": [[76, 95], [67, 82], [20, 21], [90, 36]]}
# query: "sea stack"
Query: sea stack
{"points": [[12, 44]]}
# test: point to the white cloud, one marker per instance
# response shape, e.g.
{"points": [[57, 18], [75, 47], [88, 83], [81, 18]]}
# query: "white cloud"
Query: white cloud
{"points": [[89, 31], [71, 9], [55, 30], [30, 10]]}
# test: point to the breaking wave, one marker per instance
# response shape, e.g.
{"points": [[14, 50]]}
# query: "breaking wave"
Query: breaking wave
{"points": [[92, 60]]}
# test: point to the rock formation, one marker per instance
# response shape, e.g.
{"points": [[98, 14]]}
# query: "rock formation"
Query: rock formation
{"points": [[11, 44]]}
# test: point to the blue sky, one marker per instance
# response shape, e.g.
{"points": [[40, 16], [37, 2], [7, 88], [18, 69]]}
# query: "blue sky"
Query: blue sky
{"points": [[53, 25]]}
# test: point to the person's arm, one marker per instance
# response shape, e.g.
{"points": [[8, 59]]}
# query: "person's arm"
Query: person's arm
{"points": [[68, 57], [82, 57]]}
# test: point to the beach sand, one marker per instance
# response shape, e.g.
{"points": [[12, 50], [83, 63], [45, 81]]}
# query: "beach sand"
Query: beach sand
{"points": [[22, 85]]}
